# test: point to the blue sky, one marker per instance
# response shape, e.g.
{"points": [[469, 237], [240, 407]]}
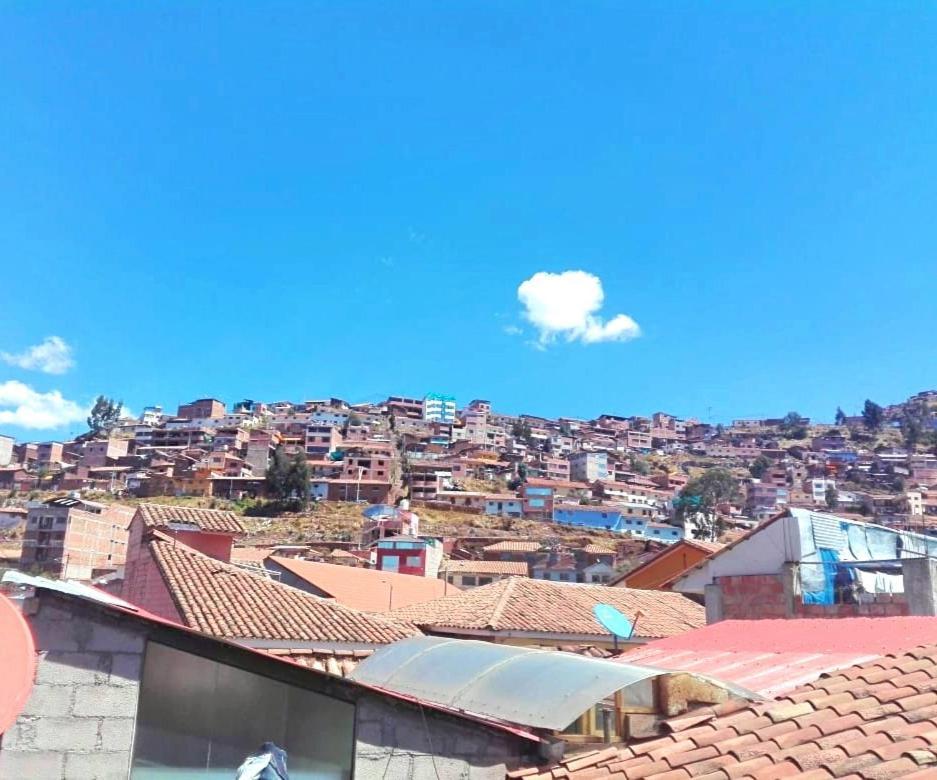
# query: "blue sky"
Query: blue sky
{"points": [[288, 201]]}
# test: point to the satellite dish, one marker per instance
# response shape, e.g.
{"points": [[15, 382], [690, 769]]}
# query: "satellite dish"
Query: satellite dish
{"points": [[18, 661], [612, 619]]}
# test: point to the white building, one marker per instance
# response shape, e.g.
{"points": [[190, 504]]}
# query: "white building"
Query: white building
{"points": [[439, 408], [588, 466]]}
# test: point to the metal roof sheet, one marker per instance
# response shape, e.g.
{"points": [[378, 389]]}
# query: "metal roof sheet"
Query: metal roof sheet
{"points": [[772, 657], [526, 686]]}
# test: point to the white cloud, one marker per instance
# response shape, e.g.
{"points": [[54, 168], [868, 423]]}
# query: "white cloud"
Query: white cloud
{"points": [[512, 330], [27, 408], [567, 305], [52, 356]]}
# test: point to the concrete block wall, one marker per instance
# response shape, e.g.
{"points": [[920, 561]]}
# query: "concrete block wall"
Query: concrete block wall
{"points": [[78, 723], [396, 742]]}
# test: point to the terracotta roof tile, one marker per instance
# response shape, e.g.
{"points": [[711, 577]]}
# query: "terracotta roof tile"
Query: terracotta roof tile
{"points": [[513, 545], [516, 568], [521, 604], [227, 601], [883, 727], [212, 520], [365, 589]]}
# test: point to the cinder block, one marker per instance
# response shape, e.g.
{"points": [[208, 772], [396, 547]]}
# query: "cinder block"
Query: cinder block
{"points": [[431, 768], [50, 612], [117, 733], [125, 669], [492, 772], [111, 701], [61, 635], [48, 766], [20, 736], [369, 733], [101, 765], [49, 700], [62, 668], [67, 734], [114, 639]]}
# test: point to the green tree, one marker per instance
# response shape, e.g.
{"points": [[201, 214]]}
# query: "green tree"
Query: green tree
{"points": [[872, 415], [700, 499], [522, 431], [104, 414], [639, 465], [759, 466], [840, 416], [277, 479], [287, 477], [794, 426], [831, 497], [914, 422], [298, 477]]}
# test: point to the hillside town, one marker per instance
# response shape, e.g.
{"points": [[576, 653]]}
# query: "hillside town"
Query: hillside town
{"points": [[415, 588]]}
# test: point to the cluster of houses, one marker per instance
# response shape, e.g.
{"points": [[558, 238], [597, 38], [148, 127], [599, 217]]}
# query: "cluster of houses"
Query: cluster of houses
{"points": [[611, 473], [806, 647]]}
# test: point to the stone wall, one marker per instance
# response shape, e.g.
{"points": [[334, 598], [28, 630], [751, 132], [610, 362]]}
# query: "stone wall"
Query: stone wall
{"points": [[395, 741], [78, 722]]}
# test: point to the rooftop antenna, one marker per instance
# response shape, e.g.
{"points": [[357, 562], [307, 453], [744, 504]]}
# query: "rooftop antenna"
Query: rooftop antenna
{"points": [[617, 624]]}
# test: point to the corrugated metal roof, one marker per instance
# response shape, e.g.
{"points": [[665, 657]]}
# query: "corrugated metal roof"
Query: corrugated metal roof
{"points": [[771, 657]]}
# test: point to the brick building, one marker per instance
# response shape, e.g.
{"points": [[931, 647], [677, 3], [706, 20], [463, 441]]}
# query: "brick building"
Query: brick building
{"points": [[75, 539]]}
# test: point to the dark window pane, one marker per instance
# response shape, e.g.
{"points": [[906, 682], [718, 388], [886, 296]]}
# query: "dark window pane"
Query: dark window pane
{"points": [[199, 719]]}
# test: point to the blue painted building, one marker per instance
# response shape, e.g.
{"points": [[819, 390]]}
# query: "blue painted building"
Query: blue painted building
{"points": [[336, 419], [599, 517], [610, 518], [661, 532]]}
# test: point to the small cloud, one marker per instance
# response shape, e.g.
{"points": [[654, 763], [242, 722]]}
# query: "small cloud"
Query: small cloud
{"points": [[415, 236], [512, 330], [27, 408], [52, 356], [386, 261], [567, 304]]}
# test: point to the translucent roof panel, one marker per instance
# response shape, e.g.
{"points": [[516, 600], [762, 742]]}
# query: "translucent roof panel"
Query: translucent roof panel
{"points": [[537, 688]]}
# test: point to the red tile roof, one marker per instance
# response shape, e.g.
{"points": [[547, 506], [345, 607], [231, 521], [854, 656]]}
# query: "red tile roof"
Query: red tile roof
{"points": [[873, 721], [338, 662], [541, 606], [226, 601], [250, 554], [597, 549], [518, 568], [366, 589], [211, 520], [512, 545]]}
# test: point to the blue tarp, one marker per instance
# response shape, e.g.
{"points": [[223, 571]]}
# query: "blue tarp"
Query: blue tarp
{"points": [[829, 560]]}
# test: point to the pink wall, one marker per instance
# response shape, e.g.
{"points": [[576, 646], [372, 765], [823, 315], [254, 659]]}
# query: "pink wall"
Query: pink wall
{"points": [[213, 545]]}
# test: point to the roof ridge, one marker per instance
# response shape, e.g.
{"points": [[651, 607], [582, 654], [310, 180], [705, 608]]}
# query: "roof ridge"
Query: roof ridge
{"points": [[502, 601], [233, 569]]}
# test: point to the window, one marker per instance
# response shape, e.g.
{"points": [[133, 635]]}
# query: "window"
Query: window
{"points": [[468, 580], [390, 563], [199, 719], [45, 522], [484, 580], [414, 561]]}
